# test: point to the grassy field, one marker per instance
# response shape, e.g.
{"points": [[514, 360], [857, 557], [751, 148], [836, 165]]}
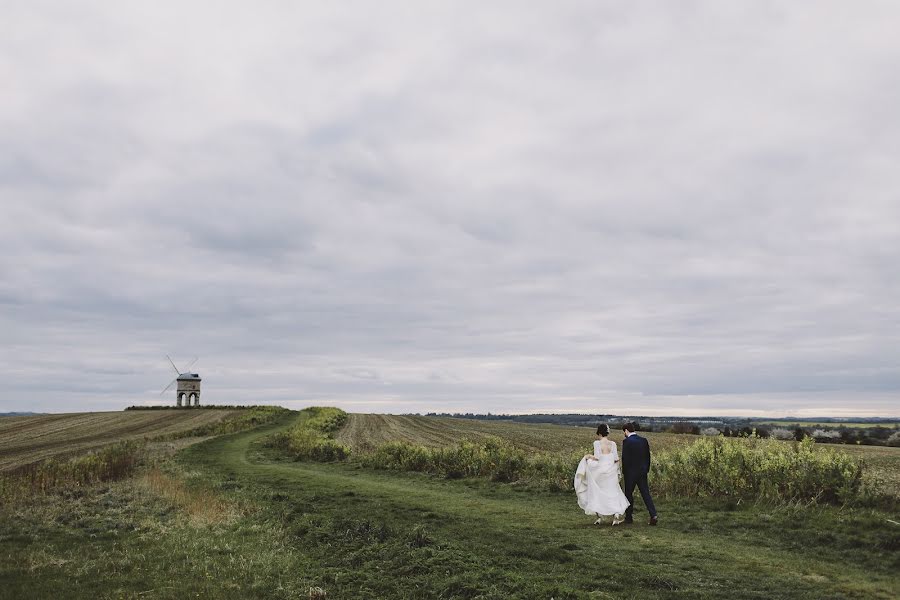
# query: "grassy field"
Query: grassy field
{"points": [[230, 518], [29, 439]]}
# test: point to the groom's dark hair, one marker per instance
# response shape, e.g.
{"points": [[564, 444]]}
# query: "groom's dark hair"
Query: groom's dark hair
{"points": [[629, 426]]}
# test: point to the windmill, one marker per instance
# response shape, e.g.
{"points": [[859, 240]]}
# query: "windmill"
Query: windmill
{"points": [[188, 389]]}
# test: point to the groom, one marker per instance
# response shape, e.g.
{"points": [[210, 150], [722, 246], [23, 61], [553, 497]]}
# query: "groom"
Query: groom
{"points": [[635, 466]]}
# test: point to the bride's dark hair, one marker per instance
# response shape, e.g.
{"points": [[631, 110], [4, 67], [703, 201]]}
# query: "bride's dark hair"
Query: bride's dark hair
{"points": [[603, 429]]}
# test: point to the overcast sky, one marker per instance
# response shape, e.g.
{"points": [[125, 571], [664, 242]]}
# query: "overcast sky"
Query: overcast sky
{"points": [[643, 207]]}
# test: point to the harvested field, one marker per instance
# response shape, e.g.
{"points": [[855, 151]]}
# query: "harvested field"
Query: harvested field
{"points": [[366, 431], [29, 439]]}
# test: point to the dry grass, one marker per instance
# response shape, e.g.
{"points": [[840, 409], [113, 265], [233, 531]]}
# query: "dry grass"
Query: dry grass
{"points": [[201, 505], [29, 439]]}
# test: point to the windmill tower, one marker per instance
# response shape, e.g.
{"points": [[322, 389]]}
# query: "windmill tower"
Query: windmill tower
{"points": [[188, 389]]}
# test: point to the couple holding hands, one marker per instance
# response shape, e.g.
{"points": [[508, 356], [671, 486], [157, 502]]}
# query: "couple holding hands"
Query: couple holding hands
{"points": [[597, 477]]}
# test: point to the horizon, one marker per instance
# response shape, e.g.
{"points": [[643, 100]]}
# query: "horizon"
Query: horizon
{"points": [[736, 415]]}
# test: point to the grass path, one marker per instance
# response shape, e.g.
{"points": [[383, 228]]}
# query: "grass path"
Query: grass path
{"points": [[524, 540]]}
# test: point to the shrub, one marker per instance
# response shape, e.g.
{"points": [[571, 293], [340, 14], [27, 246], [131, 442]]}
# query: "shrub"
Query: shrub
{"points": [[710, 431], [312, 437], [493, 457], [755, 469], [826, 435], [782, 434]]}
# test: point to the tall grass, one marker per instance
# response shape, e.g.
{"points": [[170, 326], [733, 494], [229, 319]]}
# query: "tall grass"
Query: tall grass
{"points": [[493, 457], [200, 504], [313, 436], [250, 418], [112, 462], [739, 469], [759, 469]]}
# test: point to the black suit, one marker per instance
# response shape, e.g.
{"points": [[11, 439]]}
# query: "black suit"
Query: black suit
{"points": [[635, 466]]}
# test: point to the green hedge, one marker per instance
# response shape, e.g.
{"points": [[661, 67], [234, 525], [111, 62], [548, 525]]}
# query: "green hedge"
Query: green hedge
{"points": [[313, 436]]}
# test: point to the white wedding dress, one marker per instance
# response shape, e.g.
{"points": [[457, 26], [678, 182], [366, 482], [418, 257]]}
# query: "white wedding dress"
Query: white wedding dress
{"points": [[597, 483]]}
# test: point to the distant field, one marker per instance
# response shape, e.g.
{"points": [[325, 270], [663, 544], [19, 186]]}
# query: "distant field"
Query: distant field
{"points": [[805, 424], [28, 439], [364, 431]]}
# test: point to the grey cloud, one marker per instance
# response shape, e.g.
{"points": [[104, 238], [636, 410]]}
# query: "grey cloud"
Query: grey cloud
{"points": [[458, 207]]}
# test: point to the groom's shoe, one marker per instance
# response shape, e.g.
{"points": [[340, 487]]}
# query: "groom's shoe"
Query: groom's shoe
{"points": [[628, 522], [653, 520]]}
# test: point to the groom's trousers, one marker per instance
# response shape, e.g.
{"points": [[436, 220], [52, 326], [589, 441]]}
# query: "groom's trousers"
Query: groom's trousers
{"points": [[639, 480]]}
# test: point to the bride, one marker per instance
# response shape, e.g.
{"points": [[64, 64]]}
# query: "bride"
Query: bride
{"points": [[597, 480]]}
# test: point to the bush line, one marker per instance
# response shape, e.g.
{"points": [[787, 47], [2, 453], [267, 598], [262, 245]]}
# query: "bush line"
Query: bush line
{"points": [[313, 436], [253, 417], [740, 469]]}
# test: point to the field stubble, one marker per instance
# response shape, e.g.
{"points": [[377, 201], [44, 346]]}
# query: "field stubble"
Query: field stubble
{"points": [[30, 439]]}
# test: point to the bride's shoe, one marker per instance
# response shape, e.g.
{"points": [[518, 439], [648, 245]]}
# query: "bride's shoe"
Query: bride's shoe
{"points": [[599, 521], [616, 520]]}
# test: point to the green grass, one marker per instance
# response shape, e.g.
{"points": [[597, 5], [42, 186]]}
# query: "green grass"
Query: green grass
{"points": [[359, 533]]}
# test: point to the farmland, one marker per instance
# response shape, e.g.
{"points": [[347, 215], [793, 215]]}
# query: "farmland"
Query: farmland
{"points": [[29, 439], [231, 518], [368, 430], [364, 431]]}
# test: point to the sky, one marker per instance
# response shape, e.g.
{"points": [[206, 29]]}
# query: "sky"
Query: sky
{"points": [[645, 208]]}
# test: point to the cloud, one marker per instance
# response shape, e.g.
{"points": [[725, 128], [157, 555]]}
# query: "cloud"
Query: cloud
{"points": [[452, 207]]}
